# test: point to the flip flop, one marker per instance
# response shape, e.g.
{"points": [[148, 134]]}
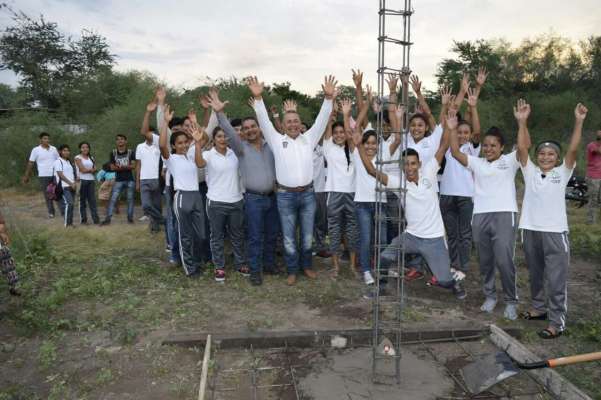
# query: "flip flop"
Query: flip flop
{"points": [[529, 316], [549, 334]]}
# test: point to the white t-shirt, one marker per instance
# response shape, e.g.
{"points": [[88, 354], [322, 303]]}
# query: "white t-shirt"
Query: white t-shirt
{"points": [[494, 189], [341, 173], [544, 205], [456, 179], [319, 170], [365, 184], [422, 209], [223, 180], [392, 168], [87, 164], [44, 159], [149, 156], [184, 172], [67, 169], [427, 146], [202, 173]]}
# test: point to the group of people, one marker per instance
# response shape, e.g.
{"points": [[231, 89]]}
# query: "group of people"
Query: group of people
{"points": [[270, 177]]}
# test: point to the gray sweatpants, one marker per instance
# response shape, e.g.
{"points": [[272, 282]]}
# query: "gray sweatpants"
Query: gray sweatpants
{"points": [[433, 250], [188, 209], [230, 215], [342, 217], [548, 258], [150, 194], [457, 216], [320, 228], [494, 236]]}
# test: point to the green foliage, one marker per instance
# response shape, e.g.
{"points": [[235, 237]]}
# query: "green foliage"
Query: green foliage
{"points": [[47, 354]]}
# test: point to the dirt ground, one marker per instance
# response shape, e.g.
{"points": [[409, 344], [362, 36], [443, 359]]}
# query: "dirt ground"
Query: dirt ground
{"points": [[98, 300]]}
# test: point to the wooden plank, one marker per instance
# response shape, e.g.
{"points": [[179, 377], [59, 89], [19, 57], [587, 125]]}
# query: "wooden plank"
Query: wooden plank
{"points": [[205, 370], [553, 382]]}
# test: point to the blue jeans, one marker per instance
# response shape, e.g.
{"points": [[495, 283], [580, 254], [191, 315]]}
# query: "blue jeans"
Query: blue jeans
{"points": [[118, 187], [295, 208], [263, 227], [366, 220]]}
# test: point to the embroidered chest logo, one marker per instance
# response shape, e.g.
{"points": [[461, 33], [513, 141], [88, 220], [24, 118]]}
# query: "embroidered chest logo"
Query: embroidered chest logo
{"points": [[285, 145], [554, 177], [426, 183], [502, 165]]}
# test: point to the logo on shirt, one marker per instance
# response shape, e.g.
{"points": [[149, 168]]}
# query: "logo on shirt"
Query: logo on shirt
{"points": [[285, 144], [426, 183], [554, 177], [502, 165]]}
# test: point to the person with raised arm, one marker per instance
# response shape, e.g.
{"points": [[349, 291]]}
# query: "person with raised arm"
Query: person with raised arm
{"points": [[43, 156], [544, 221], [187, 203], [424, 234], [86, 168], [293, 154], [457, 187], [260, 205], [340, 187], [494, 224], [66, 177], [225, 204]]}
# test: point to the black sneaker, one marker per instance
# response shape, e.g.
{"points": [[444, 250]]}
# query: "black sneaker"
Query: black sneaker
{"points": [[256, 279], [459, 291], [130, 220], [107, 221]]}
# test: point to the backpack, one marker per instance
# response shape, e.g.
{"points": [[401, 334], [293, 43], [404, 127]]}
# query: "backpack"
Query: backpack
{"points": [[54, 190]]}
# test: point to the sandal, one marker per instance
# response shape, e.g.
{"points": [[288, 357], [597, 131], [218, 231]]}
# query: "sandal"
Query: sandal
{"points": [[549, 334], [531, 316]]}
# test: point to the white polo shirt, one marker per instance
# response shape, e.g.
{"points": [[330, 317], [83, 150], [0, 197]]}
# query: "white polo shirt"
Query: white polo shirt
{"points": [[184, 172], [494, 189], [319, 170], [223, 179], [456, 179], [67, 169], [422, 209], [293, 157], [149, 156], [544, 205], [87, 164], [365, 184], [341, 171], [44, 159], [427, 146]]}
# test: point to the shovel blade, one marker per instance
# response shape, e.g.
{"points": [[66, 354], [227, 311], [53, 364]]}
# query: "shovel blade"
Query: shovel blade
{"points": [[488, 370]]}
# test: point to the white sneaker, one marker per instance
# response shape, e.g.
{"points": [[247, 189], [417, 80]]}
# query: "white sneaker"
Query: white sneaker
{"points": [[511, 312], [457, 275], [143, 218], [488, 305], [367, 278]]}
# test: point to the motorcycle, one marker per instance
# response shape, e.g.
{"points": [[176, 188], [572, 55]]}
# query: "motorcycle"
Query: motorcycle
{"points": [[576, 191]]}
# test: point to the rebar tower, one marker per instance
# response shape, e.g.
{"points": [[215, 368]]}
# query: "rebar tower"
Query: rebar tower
{"points": [[388, 296]]}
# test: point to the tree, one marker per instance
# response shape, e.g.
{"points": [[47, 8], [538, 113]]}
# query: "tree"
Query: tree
{"points": [[46, 61]]}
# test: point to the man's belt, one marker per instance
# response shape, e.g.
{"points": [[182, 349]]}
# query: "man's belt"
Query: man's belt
{"points": [[298, 189], [257, 193]]}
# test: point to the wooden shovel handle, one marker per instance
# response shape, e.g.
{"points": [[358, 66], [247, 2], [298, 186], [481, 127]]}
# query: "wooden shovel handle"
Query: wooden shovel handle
{"points": [[556, 362]]}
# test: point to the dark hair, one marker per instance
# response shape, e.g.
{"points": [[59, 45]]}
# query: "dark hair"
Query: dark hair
{"points": [[367, 134], [386, 116], [464, 122], [420, 116], [120, 135], [306, 126], [236, 122], [215, 130], [249, 118], [174, 137], [106, 166], [347, 151], [410, 152], [496, 132], [82, 143], [41, 135], [62, 147], [151, 128], [175, 121]]}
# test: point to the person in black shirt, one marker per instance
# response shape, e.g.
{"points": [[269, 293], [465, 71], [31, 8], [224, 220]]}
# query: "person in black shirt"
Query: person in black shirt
{"points": [[123, 162]]}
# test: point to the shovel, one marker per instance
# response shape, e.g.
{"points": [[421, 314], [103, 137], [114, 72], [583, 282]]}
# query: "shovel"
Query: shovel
{"points": [[490, 369]]}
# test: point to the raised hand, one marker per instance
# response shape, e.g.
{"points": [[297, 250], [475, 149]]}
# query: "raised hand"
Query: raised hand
{"points": [[357, 137], [481, 77], [216, 104], [404, 78], [399, 111], [357, 77], [197, 132], [251, 102], [445, 95], [521, 111], [256, 87], [290, 106], [160, 95], [346, 106], [204, 101], [452, 119], [465, 82], [392, 82], [150, 107], [580, 112], [273, 109], [415, 84], [370, 97], [472, 97], [192, 115], [168, 114], [329, 87]]}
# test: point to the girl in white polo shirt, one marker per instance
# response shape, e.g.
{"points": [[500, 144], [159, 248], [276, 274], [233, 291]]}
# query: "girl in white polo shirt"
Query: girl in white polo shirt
{"points": [[86, 168], [65, 176], [187, 203], [340, 186], [494, 224], [544, 221], [225, 205]]}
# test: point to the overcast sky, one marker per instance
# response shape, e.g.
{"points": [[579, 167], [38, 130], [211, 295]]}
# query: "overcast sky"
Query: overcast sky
{"points": [[296, 40]]}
